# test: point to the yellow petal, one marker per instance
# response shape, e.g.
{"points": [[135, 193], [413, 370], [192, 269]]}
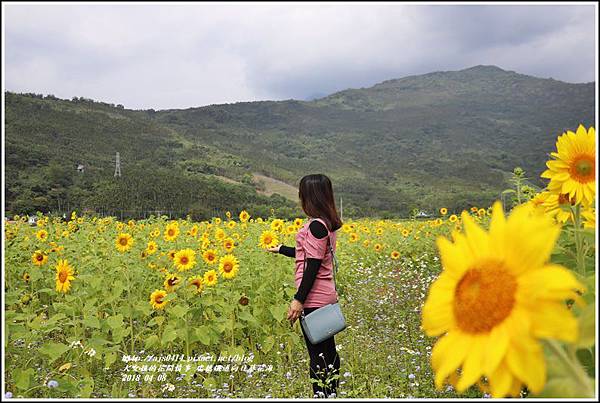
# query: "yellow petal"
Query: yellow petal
{"points": [[496, 345], [529, 240], [477, 238], [497, 228], [454, 261], [551, 282], [557, 164], [500, 381], [553, 320], [438, 315], [472, 368], [515, 388], [448, 354], [561, 176], [525, 359]]}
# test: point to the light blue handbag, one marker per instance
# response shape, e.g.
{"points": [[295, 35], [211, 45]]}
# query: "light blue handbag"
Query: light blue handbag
{"points": [[326, 321]]}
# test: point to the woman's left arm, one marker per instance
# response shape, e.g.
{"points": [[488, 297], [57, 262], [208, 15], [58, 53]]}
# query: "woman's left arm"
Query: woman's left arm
{"points": [[287, 251], [308, 279]]}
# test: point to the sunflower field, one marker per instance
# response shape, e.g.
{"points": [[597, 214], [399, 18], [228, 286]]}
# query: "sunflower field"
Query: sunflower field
{"points": [[472, 303]]}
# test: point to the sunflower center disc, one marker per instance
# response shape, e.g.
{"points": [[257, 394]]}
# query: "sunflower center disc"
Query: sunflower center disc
{"points": [[563, 198], [123, 241], [484, 297], [62, 277], [583, 170]]}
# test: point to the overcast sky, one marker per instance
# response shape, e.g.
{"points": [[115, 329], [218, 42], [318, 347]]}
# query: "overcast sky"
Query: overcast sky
{"points": [[184, 55]]}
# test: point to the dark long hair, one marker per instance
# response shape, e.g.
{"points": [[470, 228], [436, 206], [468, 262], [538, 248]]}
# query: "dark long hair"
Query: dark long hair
{"points": [[316, 196]]}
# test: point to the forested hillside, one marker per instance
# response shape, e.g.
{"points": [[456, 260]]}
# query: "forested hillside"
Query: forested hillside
{"points": [[439, 139]]}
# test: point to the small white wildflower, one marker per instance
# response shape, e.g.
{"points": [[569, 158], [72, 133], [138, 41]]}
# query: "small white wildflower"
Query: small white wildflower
{"points": [[75, 344]]}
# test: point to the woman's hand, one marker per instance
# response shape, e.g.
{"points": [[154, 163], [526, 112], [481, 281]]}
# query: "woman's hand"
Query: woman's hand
{"points": [[274, 249], [294, 311]]}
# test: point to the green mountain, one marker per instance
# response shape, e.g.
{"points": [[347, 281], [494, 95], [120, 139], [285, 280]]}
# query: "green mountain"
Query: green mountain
{"points": [[440, 139]]}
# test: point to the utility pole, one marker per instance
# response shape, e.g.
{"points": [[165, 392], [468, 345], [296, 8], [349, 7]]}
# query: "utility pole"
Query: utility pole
{"points": [[118, 166]]}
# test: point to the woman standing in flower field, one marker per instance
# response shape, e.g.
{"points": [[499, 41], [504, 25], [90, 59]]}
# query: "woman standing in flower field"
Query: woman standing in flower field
{"points": [[314, 282]]}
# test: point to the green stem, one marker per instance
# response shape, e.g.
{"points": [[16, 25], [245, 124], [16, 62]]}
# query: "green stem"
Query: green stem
{"points": [[132, 334], [579, 375], [187, 333], [579, 240]]}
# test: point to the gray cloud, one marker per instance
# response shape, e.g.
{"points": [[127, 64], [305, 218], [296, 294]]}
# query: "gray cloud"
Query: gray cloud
{"points": [[177, 56]]}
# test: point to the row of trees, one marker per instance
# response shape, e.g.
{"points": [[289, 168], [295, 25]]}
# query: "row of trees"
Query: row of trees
{"points": [[143, 188]]}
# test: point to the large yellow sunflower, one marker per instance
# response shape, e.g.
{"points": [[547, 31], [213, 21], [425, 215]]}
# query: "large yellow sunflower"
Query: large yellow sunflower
{"points": [[494, 299], [185, 259], [228, 244], [171, 231], [42, 235], [210, 278], [220, 234], [151, 248], [277, 225], [210, 256], [157, 299], [574, 170], [123, 242], [193, 231], [64, 275], [228, 266], [39, 258], [268, 239], [244, 216]]}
